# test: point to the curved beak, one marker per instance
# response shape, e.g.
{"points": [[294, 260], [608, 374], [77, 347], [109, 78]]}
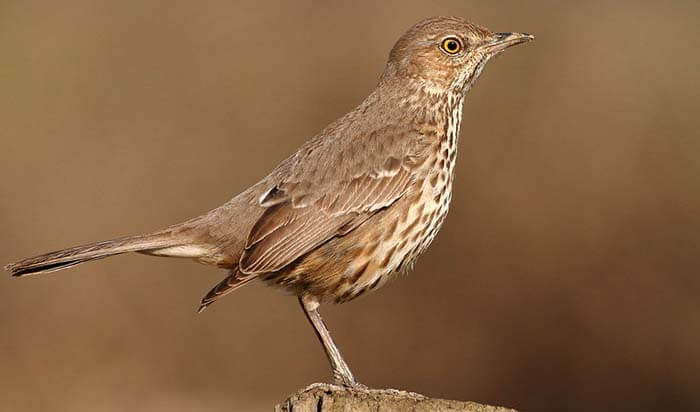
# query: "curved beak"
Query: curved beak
{"points": [[502, 41]]}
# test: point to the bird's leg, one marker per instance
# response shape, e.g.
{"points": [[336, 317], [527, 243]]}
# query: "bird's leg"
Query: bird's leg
{"points": [[341, 371]]}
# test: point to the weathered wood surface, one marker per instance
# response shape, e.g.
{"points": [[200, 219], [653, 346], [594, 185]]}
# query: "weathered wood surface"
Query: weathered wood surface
{"points": [[331, 398]]}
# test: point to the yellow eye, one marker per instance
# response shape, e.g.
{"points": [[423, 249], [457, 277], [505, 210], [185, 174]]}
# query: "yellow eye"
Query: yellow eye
{"points": [[451, 45]]}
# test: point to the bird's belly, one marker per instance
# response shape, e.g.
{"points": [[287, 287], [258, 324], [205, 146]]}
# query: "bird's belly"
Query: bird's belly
{"points": [[387, 244]]}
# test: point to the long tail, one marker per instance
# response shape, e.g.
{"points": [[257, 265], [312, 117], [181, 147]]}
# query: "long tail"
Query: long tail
{"points": [[161, 243]]}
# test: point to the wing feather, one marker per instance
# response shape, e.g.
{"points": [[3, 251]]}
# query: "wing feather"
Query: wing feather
{"points": [[313, 203]]}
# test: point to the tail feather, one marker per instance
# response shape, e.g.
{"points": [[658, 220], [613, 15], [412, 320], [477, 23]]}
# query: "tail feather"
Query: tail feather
{"points": [[223, 288], [62, 259]]}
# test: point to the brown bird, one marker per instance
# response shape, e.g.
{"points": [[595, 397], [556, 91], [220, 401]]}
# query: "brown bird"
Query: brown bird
{"points": [[354, 205]]}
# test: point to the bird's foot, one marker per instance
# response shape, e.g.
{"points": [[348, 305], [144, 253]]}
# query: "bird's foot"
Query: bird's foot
{"points": [[357, 386], [347, 381]]}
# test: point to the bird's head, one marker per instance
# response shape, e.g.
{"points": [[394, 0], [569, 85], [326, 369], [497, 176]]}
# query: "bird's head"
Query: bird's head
{"points": [[446, 54]]}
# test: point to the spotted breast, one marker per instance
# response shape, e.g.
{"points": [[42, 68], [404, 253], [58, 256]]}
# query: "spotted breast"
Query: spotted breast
{"points": [[390, 241]]}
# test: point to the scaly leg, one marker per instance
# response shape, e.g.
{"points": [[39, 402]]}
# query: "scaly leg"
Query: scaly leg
{"points": [[341, 371]]}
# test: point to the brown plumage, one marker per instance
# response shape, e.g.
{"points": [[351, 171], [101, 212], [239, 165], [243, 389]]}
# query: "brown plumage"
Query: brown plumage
{"points": [[355, 204]]}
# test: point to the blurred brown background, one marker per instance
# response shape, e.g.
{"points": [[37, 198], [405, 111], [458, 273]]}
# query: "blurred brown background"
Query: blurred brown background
{"points": [[566, 277]]}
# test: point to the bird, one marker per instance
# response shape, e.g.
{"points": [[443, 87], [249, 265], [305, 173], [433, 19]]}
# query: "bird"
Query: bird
{"points": [[355, 205]]}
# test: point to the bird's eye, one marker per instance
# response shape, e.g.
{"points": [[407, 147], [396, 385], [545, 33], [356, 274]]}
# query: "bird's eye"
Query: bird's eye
{"points": [[451, 45]]}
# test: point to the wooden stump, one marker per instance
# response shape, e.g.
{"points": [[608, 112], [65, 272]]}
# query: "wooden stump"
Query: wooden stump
{"points": [[321, 397]]}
